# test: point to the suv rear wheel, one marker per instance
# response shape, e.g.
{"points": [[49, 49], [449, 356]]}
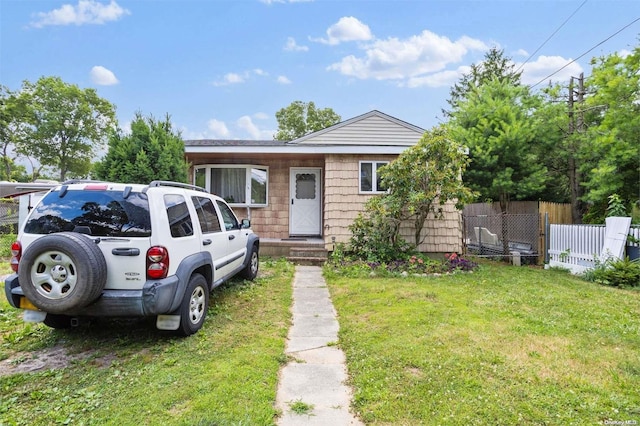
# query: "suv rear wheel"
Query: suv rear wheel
{"points": [[62, 272], [195, 304]]}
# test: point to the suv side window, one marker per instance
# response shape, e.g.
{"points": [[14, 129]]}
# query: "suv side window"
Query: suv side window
{"points": [[178, 215], [230, 220], [209, 221]]}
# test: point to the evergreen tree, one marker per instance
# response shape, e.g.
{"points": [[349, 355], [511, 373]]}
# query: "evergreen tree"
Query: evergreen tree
{"points": [[494, 66], [152, 151], [497, 124]]}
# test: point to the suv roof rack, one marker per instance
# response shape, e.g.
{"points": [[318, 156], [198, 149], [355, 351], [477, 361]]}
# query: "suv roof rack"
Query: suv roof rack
{"points": [[157, 183], [72, 181]]}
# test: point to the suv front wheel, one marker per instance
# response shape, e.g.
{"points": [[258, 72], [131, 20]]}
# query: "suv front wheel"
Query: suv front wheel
{"points": [[250, 271]]}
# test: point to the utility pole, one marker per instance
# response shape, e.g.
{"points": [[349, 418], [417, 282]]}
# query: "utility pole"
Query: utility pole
{"points": [[576, 125]]}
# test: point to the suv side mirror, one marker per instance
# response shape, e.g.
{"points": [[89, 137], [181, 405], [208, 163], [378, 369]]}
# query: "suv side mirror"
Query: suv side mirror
{"points": [[246, 223]]}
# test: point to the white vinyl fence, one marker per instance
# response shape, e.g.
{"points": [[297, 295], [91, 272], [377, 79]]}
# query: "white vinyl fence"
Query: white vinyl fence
{"points": [[576, 247]]}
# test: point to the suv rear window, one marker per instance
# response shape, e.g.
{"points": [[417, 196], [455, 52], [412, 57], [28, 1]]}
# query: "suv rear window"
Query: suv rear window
{"points": [[97, 213]]}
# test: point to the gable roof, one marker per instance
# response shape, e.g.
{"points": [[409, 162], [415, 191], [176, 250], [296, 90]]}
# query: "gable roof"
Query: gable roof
{"points": [[373, 133], [372, 128]]}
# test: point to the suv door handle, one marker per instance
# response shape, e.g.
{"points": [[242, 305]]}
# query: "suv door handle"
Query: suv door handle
{"points": [[232, 237], [206, 242], [125, 251]]}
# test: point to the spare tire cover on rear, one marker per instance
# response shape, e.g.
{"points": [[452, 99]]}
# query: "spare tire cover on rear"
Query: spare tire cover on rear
{"points": [[62, 272]]}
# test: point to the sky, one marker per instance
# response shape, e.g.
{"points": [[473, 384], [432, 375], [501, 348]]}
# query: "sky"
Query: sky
{"points": [[221, 69]]}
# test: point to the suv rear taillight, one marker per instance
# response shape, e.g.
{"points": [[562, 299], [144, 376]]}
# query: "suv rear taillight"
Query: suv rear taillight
{"points": [[16, 254], [157, 262]]}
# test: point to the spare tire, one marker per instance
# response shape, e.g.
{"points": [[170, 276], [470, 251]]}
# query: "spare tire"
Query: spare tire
{"points": [[62, 272]]}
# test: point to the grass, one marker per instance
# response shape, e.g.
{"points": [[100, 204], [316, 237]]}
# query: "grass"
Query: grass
{"points": [[226, 374], [502, 345], [300, 407]]}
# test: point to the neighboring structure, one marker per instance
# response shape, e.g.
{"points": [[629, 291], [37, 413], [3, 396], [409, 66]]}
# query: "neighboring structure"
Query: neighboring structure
{"points": [[316, 185]]}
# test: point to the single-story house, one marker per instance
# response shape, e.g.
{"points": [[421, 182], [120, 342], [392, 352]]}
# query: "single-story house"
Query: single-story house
{"points": [[315, 186]]}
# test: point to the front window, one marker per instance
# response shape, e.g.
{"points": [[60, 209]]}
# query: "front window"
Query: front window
{"points": [[243, 185], [230, 220], [370, 179]]}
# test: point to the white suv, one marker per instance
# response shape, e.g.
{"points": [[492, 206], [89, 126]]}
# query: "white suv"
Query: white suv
{"points": [[93, 249]]}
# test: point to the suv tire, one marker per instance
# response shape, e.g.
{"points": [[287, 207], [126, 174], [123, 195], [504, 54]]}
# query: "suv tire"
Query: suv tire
{"points": [[58, 321], [62, 272], [194, 306], [250, 271]]}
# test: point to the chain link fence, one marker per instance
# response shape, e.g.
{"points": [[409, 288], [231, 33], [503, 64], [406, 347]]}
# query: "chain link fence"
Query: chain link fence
{"points": [[9, 216], [503, 236]]}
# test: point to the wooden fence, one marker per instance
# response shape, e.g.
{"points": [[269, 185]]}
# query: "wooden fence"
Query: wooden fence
{"points": [[558, 212]]}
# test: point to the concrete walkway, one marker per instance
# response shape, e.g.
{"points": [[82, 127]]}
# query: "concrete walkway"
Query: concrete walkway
{"points": [[316, 373]]}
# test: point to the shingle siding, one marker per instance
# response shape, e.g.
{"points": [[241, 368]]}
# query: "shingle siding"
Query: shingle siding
{"points": [[343, 202]]}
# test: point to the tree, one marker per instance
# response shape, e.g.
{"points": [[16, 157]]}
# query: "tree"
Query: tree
{"points": [[14, 172], [152, 151], [420, 182], [301, 118], [68, 125], [495, 66], [611, 145], [424, 178], [497, 124], [13, 126]]}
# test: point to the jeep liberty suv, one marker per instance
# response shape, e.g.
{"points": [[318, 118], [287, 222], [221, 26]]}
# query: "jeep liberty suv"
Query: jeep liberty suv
{"points": [[91, 249]]}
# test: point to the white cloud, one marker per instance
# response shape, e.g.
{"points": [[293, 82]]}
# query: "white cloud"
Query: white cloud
{"points": [[534, 72], [229, 78], [292, 46], [102, 76], [522, 52], [347, 28], [415, 56], [439, 79], [261, 116], [217, 129], [235, 78], [624, 53], [85, 12], [283, 80], [246, 124]]}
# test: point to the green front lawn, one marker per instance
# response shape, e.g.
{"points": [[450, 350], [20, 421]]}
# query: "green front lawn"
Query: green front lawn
{"points": [[133, 374], [502, 345]]}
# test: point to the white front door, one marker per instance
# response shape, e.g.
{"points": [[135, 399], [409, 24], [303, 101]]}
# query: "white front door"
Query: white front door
{"points": [[305, 194]]}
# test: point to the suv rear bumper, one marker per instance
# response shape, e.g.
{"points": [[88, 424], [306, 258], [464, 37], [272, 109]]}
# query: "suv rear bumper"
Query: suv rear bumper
{"points": [[156, 297]]}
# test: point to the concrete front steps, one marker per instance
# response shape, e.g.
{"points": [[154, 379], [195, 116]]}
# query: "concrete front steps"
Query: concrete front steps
{"points": [[308, 256], [301, 251]]}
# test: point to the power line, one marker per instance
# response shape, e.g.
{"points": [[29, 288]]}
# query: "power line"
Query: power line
{"points": [[570, 62], [551, 36]]}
